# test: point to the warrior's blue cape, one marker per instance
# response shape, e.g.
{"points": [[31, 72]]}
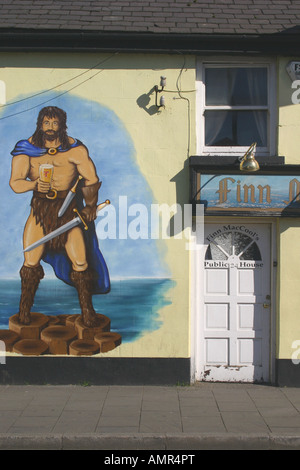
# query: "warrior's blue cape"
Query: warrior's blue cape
{"points": [[59, 261]]}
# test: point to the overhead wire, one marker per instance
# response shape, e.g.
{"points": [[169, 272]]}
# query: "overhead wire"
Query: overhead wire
{"points": [[53, 88]]}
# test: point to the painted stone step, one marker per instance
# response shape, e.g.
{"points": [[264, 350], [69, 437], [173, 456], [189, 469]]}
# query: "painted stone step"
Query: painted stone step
{"points": [[70, 321], [85, 332], [58, 338], [108, 340], [39, 321], [53, 320], [9, 338], [83, 347], [62, 318], [30, 347]]}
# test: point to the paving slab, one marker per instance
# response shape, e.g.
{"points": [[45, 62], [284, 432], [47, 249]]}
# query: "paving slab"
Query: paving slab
{"points": [[244, 422], [80, 421], [205, 424]]}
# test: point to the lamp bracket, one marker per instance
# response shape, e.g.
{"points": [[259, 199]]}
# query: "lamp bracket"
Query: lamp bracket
{"points": [[159, 90]]}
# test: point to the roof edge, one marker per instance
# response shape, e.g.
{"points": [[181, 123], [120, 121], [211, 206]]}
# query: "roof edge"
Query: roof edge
{"points": [[51, 40]]}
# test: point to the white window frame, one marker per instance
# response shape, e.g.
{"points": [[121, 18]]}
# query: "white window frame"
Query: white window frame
{"points": [[202, 149]]}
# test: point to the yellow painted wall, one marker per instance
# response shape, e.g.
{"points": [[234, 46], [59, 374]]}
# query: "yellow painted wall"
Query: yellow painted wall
{"points": [[288, 282], [123, 83]]}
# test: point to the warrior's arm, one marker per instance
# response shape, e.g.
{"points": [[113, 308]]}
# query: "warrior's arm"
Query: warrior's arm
{"points": [[19, 172], [87, 170], [85, 166]]}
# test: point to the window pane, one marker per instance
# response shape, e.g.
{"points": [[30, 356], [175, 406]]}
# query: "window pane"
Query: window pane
{"points": [[241, 86], [252, 253], [225, 241], [241, 242], [214, 253], [235, 128]]}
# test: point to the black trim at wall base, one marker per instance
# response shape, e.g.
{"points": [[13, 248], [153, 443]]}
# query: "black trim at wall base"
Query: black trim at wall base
{"points": [[94, 371], [287, 373]]}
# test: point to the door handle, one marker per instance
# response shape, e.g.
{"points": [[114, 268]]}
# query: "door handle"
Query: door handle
{"points": [[265, 305]]}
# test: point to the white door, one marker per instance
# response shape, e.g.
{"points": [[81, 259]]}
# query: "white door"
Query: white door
{"points": [[236, 292]]}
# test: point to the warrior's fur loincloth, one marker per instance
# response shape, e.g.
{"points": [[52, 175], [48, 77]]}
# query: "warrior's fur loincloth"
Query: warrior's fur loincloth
{"points": [[45, 212]]}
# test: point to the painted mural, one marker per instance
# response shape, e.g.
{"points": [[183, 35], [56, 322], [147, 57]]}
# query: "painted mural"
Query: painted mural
{"points": [[99, 280]]}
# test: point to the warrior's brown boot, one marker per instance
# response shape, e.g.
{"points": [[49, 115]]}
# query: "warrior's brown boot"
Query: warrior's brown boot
{"points": [[82, 281], [30, 279]]}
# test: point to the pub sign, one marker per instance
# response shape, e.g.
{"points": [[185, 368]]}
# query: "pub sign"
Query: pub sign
{"points": [[248, 194]]}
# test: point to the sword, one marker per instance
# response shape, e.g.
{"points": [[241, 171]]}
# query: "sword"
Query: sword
{"points": [[64, 228], [69, 197]]}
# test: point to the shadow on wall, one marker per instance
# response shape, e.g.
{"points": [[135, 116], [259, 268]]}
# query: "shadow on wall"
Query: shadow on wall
{"points": [[181, 218], [144, 100]]}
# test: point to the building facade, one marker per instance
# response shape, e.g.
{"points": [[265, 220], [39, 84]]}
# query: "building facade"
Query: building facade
{"points": [[201, 253]]}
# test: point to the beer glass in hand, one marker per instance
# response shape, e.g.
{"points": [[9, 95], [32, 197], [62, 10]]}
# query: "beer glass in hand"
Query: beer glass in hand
{"points": [[45, 180]]}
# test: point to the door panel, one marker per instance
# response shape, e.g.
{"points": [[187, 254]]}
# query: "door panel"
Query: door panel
{"points": [[217, 316], [217, 282], [217, 350]]}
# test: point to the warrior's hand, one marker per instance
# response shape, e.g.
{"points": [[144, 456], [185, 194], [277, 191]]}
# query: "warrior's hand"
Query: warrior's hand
{"points": [[89, 213], [42, 187]]}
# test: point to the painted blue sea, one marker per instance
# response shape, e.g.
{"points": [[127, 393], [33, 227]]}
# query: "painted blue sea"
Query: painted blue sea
{"points": [[133, 305]]}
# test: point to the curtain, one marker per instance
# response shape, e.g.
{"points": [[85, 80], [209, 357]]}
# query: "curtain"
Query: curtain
{"points": [[258, 95], [220, 83]]}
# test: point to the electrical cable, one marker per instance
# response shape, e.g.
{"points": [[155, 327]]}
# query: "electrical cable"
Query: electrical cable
{"points": [[57, 86], [178, 85], [181, 91], [51, 89]]}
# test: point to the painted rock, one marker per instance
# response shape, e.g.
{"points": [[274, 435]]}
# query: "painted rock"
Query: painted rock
{"points": [[58, 338], [9, 338], [31, 331], [30, 347], [83, 347], [108, 341], [85, 332]]}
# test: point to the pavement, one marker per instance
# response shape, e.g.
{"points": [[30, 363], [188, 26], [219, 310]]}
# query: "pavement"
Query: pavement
{"points": [[202, 416]]}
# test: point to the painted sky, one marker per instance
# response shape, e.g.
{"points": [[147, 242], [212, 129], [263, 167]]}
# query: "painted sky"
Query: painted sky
{"points": [[112, 150]]}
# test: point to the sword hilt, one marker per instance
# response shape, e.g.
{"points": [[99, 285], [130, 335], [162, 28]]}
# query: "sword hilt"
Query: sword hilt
{"points": [[102, 205], [81, 218], [73, 190]]}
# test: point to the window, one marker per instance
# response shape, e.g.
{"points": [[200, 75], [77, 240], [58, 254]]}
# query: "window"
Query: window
{"points": [[236, 108]]}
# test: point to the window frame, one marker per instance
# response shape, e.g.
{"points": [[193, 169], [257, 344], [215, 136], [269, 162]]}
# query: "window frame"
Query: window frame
{"points": [[202, 64]]}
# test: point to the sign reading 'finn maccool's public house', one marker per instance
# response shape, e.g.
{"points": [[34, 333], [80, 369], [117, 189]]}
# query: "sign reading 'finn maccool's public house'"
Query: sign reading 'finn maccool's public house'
{"points": [[239, 193]]}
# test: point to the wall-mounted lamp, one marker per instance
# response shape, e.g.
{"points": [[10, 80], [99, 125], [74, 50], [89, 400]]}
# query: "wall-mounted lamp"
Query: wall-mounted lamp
{"points": [[248, 162], [163, 82]]}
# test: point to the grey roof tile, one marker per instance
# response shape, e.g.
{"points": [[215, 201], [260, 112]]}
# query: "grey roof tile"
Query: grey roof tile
{"points": [[151, 16]]}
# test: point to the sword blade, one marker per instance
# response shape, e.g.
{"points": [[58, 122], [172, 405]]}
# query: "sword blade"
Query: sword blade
{"points": [[73, 223], [69, 197], [66, 203], [55, 233]]}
